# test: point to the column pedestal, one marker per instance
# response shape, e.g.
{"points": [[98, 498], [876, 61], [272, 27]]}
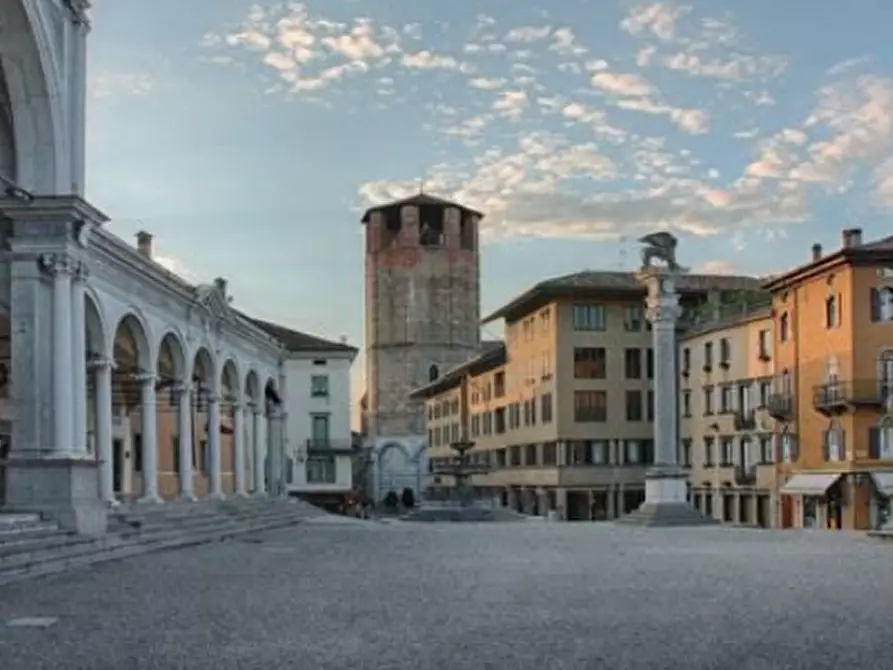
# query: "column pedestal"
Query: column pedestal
{"points": [[665, 483]]}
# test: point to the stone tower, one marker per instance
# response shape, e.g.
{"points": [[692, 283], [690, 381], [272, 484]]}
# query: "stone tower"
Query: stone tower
{"points": [[422, 310]]}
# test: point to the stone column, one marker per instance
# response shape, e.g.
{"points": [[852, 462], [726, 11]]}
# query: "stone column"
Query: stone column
{"points": [[274, 442], [79, 357], [239, 456], [149, 429], [60, 268], [214, 444], [184, 416], [665, 482], [102, 372], [260, 440]]}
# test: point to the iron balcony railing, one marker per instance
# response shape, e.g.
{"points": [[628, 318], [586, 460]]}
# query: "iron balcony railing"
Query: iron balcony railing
{"points": [[745, 420], [745, 475], [841, 396], [317, 444], [781, 406]]}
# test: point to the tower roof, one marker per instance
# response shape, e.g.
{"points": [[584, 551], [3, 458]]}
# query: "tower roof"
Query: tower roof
{"points": [[419, 200]]}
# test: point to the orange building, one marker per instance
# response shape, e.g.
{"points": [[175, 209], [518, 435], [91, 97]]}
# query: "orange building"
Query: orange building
{"points": [[833, 331]]}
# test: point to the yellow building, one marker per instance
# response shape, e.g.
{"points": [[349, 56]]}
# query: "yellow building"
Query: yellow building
{"points": [[725, 382], [562, 412], [833, 343]]}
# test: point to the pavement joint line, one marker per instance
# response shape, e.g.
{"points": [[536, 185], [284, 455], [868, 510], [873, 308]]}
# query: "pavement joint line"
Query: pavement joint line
{"points": [[32, 622]]}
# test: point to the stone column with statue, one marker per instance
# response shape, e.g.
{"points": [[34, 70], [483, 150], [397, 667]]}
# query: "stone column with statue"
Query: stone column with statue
{"points": [[665, 482]]}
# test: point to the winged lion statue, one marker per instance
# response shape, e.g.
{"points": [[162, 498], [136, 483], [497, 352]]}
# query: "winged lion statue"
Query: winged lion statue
{"points": [[660, 246]]}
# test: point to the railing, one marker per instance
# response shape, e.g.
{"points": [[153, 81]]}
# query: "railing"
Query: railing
{"points": [[781, 406], [745, 475], [318, 444], [842, 395], [745, 420]]}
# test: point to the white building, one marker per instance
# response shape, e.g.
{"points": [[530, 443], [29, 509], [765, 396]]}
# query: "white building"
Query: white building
{"points": [[318, 452], [117, 378]]}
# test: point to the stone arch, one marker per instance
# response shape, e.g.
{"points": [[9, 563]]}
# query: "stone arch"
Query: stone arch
{"points": [[433, 373], [130, 343], [37, 116], [203, 369], [171, 358], [419, 453], [271, 393], [252, 387], [97, 330], [229, 384]]}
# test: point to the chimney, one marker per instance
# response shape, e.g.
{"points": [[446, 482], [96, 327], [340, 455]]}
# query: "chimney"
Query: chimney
{"points": [[816, 251], [851, 237], [220, 283], [144, 243]]}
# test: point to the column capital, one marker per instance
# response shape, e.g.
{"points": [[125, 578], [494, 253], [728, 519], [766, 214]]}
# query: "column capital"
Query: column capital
{"points": [[79, 11], [57, 264], [101, 363], [145, 378], [211, 399], [80, 271]]}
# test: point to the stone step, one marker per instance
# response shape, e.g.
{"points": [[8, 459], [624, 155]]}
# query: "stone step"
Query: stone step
{"points": [[112, 546], [28, 530], [8, 521], [665, 515], [52, 540]]}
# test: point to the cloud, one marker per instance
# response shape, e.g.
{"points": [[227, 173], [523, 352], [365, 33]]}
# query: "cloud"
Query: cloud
{"points": [[176, 266], [487, 83], [716, 267], [657, 18], [528, 34], [622, 84], [110, 85]]}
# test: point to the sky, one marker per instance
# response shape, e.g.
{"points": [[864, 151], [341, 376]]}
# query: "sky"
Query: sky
{"points": [[249, 137]]}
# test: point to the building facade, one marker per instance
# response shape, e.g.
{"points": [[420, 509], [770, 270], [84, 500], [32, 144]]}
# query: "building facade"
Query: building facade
{"points": [[422, 317], [728, 439], [319, 451], [833, 342], [562, 412], [118, 378]]}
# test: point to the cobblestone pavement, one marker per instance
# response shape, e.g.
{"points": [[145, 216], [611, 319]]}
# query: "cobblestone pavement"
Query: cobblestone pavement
{"points": [[366, 595]]}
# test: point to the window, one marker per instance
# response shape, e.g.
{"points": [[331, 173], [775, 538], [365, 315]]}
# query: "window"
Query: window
{"points": [[633, 318], [685, 453], [766, 455], [633, 363], [475, 425], [546, 407], [488, 423], [882, 304], [708, 452], [745, 453], [320, 362], [499, 385], [590, 406], [589, 317], [319, 386], [634, 409], [784, 327], [649, 363], [433, 373], [725, 352], [138, 453], [515, 455], [764, 344], [708, 356], [880, 442], [600, 452], [650, 405], [589, 363], [530, 455], [547, 367], [833, 444], [708, 400], [832, 315], [545, 320], [499, 421], [765, 392], [728, 451], [632, 452], [787, 448], [550, 454], [686, 404], [319, 427], [686, 361], [726, 403], [320, 470]]}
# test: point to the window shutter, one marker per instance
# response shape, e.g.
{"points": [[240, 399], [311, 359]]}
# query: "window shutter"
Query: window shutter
{"points": [[874, 442], [875, 305]]}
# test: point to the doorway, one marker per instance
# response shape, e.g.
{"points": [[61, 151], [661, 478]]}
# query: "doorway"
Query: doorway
{"points": [[117, 465]]}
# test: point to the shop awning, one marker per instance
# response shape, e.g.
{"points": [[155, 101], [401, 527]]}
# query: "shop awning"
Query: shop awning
{"points": [[812, 484], [883, 481]]}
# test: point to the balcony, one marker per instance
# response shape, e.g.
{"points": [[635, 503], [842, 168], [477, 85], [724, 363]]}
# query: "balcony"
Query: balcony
{"points": [[844, 396], [317, 446], [781, 406], [745, 420], [745, 475]]}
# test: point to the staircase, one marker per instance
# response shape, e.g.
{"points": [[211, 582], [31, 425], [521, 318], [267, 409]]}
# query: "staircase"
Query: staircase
{"points": [[32, 547]]}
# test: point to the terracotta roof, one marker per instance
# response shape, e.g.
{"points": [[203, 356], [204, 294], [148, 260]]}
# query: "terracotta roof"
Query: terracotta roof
{"points": [[420, 200], [607, 283], [493, 355], [294, 340], [879, 251]]}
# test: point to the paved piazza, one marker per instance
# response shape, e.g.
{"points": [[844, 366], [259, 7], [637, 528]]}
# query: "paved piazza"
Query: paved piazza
{"points": [[367, 595]]}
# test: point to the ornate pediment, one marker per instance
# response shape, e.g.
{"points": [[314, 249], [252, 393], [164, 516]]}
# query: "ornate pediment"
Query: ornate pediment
{"points": [[214, 303]]}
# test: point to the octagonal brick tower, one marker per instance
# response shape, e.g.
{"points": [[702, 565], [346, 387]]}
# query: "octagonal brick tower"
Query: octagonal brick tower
{"points": [[422, 308]]}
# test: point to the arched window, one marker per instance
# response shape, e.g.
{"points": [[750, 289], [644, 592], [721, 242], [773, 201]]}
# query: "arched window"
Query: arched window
{"points": [[885, 373], [433, 373]]}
